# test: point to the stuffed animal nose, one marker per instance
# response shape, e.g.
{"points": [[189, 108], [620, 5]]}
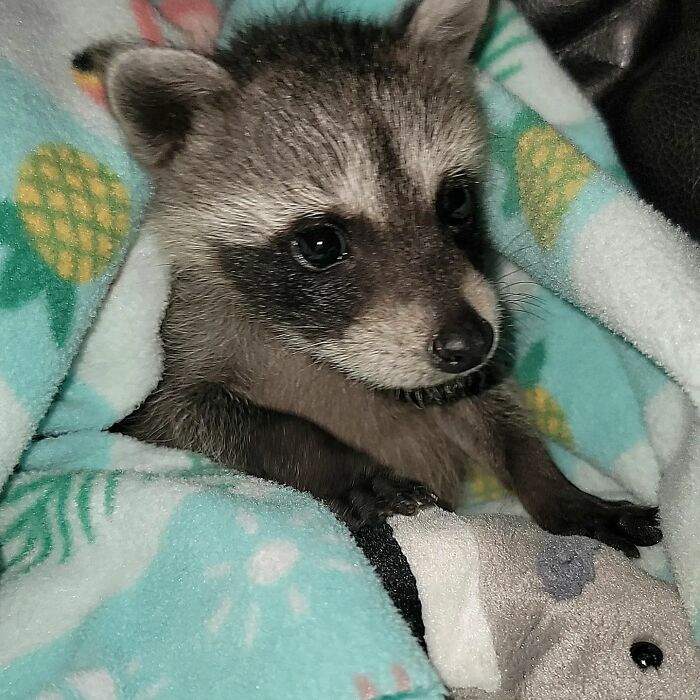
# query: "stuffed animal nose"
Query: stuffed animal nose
{"points": [[460, 347]]}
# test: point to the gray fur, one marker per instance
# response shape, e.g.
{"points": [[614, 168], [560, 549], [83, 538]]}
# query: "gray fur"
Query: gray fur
{"points": [[289, 374], [565, 565]]}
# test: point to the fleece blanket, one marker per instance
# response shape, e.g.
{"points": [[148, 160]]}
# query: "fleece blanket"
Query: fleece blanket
{"points": [[131, 571]]}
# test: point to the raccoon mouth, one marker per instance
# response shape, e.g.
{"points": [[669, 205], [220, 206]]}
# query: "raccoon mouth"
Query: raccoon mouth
{"points": [[444, 394]]}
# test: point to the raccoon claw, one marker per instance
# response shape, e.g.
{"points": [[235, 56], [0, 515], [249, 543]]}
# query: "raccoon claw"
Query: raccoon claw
{"points": [[401, 496], [626, 526], [379, 497], [641, 523], [618, 524]]}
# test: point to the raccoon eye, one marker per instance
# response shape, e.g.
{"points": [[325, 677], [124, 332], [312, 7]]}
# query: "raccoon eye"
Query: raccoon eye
{"points": [[455, 203], [320, 246], [456, 209]]}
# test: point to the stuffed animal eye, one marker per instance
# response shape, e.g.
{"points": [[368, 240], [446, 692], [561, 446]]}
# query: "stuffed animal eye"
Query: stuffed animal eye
{"points": [[646, 655], [455, 203], [320, 246]]}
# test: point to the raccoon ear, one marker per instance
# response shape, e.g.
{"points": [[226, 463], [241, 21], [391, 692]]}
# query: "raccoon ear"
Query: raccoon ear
{"points": [[154, 94], [447, 27]]}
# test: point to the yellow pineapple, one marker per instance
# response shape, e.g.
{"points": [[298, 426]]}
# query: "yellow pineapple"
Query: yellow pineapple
{"points": [[69, 218], [482, 485], [546, 412], [548, 416], [551, 173], [74, 209]]}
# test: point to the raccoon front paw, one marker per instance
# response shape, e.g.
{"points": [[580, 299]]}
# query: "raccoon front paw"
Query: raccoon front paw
{"points": [[379, 496], [619, 524]]}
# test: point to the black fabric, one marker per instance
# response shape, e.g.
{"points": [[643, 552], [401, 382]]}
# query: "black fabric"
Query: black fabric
{"points": [[384, 554], [640, 61], [601, 42], [654, 119]]}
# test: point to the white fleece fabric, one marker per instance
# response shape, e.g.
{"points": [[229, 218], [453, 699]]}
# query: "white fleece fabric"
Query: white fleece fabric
{"points": [[444, 558]]}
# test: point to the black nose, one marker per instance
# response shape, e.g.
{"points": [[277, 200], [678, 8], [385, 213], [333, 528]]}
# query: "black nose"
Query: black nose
{"points": [[646, 655], [462, 346]]}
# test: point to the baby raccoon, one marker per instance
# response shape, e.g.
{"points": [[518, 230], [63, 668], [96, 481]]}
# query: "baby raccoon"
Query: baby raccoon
{"points": [[331, 314]]}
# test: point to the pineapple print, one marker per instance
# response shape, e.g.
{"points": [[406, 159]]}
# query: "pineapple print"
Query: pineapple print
{"points": [[74, 210], [548, 415], [70, 217], [551, 173], [482, 486], [547, 174]]}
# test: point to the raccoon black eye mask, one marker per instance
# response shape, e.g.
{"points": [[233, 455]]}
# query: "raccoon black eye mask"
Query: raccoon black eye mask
{"points": [[314, 187]]}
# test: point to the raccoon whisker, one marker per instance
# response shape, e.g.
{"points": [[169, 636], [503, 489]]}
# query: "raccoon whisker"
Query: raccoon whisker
{"points": [[533, 309], [535, 303], [508, 296], [510, 250], [526, 300], [518, 283], [517, 301], [517, 251], [508, 353], [520, 236], [530, 313], [507, 293], [507, 274], [530, 301]]}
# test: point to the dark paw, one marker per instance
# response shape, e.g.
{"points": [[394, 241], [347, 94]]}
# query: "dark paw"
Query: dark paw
{"points": [[619, 524], [377, 497]]}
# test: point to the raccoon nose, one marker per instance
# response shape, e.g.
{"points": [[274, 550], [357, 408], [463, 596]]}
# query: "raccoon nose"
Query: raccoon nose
{"points": [[458, 348]]}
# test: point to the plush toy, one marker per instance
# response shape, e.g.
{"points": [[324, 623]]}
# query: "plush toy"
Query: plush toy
{"points": [[507, 611]]}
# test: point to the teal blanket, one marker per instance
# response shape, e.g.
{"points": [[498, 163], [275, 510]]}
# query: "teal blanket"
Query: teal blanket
{"points": [[131, 571]]}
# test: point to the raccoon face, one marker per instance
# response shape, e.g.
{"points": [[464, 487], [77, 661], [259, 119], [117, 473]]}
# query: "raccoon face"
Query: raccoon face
{"points": [[325, 175]]}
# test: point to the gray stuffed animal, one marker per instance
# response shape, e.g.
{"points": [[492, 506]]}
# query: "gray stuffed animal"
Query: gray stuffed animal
{"points": [[514, 613]]}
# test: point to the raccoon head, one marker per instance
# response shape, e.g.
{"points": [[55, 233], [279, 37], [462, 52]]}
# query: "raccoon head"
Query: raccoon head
{"points": [[324, 174]]}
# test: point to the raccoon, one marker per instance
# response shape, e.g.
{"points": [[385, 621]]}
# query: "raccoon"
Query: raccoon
{"points": [[333, 325]]}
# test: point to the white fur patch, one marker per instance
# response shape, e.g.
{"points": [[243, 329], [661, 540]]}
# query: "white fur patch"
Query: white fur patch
{"points": [[251, 219], [357, 189], [428, 160], [387, 347], [482, 297]]}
